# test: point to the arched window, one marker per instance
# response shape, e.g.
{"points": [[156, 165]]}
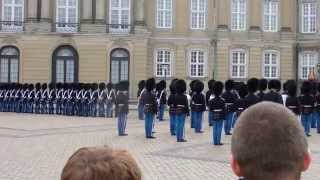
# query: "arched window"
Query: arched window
{"points": [[119, 65], [9, 65], [65, 65]]}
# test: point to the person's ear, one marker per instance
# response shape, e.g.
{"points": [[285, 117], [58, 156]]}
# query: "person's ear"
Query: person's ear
{"points": [[235, 167], [306, 161]]}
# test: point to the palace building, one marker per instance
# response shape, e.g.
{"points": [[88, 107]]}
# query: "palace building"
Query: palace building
{"points": [[114, 40]]}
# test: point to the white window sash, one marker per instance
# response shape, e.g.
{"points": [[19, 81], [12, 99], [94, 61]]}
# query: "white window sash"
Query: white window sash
{"points": [[200, 15], [308, 28], [271, 65], [236, 23], [269, 25], [308, 55], [238, 64], [67, 26], [169, 64], [119, 27], [165, 22], [11, 24], [197, 64]]}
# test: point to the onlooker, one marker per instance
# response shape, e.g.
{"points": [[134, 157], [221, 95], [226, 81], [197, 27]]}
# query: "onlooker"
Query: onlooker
{"points": [[269, 143], [101, 164]]}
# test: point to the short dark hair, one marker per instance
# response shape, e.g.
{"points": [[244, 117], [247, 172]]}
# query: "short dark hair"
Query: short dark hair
{"points": [[268, 141], [101, 163]]}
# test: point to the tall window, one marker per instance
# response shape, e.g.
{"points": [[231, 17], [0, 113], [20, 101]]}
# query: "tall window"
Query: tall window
{"points": [[197, 63], [9, 65], [65, 65], [119, 16], [198, 14], [164, 13], [308, 61], [309, 17], [271, 15], [238, 63], [12, 15], [238, 15], [271, 64], [67, 16], [163, 63]]}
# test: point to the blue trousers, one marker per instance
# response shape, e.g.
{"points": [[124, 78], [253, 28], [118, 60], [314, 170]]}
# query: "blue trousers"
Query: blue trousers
{"points": [[148, 123], [306, 122], [122, 123], [317, 114], [140, 112], [180, 120], [109, 110], [314, 120], [101, 110], [197, 118], [161, 111], [217, 131], [209, 118], [1, 105], [50, 107], [234, 119], [172, 124], [228, 123], [192, 119]]}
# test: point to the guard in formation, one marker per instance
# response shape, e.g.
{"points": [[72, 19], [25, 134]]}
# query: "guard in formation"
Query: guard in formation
{"points": [[122, 106]]}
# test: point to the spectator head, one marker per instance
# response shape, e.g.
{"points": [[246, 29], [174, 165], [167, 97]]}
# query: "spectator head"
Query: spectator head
{"points": [[101, 164], [269, 143]]}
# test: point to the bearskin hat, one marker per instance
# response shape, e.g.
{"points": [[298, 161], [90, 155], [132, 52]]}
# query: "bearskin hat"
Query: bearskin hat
{"points": [[314, 88], [44, 86], [95, 86], [141, 84], [287, 83], [181, 86], [102, 86], [243, 90], [198, 86], [278, 85], [318, 87], [229, 85], [150, 84], [274, 84], [306, 87], [162, 84], [210, 84], [51, 85], [263, 84], [31, 87], [38, 86], [123, 86], [158, 87], [253, 85], [291, 88], [192, 85], [217, 88], [172, 86], [25, 86], [109, 86]]}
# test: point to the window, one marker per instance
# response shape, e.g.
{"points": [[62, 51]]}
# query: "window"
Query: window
{"points": [[271, 64], [309, 17], [271, 15], [308, 61], [238, 63], [119, 16], [67, 16], [198, 14], [65, 65], [164, 13], [9, 65], [238, 15], [12, 15], [119, 68], [197, 63], [163, 63]]}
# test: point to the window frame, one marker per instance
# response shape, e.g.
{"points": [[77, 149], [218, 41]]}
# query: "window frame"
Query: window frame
{"points": [[301, 55], [198, 12], [9, 63], [277, 65], [270, 14], [164, 19], [16, 28], [156, 63], [303, 30], [67, 23], [238, 50], [205, 57], [238, 15], [120, 29]]}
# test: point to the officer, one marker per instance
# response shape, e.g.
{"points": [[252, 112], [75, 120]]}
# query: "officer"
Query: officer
{"points": [[230, 97], [252, 98], [307, 104], [198, 105], [102, 96], [263, 85], [148, 100], [209, 95], [217, 108], [273, 94], [162, 99], [240, 103], [292, 101], [122, 106], [141, 90], [172, 111]]}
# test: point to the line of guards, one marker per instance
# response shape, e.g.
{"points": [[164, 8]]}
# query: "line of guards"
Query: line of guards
{"points": [[224, 102]]}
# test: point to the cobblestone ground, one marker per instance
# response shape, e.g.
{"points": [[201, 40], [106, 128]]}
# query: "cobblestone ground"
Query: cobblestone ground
{"points": [[36, 147]]}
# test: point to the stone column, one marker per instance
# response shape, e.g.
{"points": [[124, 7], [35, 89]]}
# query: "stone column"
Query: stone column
{"points": [[101, 10], [286, 13], [139, 7], [46, 10], [32, 10], [255, 14], [86, 13], [223, 13]]}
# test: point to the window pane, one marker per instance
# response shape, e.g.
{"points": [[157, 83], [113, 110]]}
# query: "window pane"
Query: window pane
{"points": [[4, 64]]}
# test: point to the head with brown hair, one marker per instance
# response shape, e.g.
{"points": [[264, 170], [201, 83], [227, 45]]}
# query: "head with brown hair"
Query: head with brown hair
{"points": [[101, 164], [268, 143]]}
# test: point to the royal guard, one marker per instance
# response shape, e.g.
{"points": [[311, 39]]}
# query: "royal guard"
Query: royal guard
{"points": [[93, 99], [209, 96], [24, 98], [6, 100], [314, 113], [102, 96], [292, 101], [44, 97], [230, 97], [85, 100], [191, 93], [198, 105], [14, 89], [122, 106], [307, 102], [66, 89], [218, 109], [273, 94], [181, 106], [252, 98], [111, 95], [161, 99], [31, 98], [59, 98], [2, 91], [77, 100], [51, 98], [148, 100], [263, 85], [318, 109], [172, 111], [141, 90], [240, 103]]}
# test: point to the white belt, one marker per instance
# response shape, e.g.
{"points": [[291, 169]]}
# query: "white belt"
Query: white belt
{"points": [[217, 110]]}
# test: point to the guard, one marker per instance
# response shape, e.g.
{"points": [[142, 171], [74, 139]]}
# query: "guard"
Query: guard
{"points": [[230, 99], [198, 105], [307, 104], [122, 106], [172, 111]]}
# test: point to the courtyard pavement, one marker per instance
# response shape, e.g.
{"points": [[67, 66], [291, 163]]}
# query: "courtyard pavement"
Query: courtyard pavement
{"points": [[36, 147]]}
